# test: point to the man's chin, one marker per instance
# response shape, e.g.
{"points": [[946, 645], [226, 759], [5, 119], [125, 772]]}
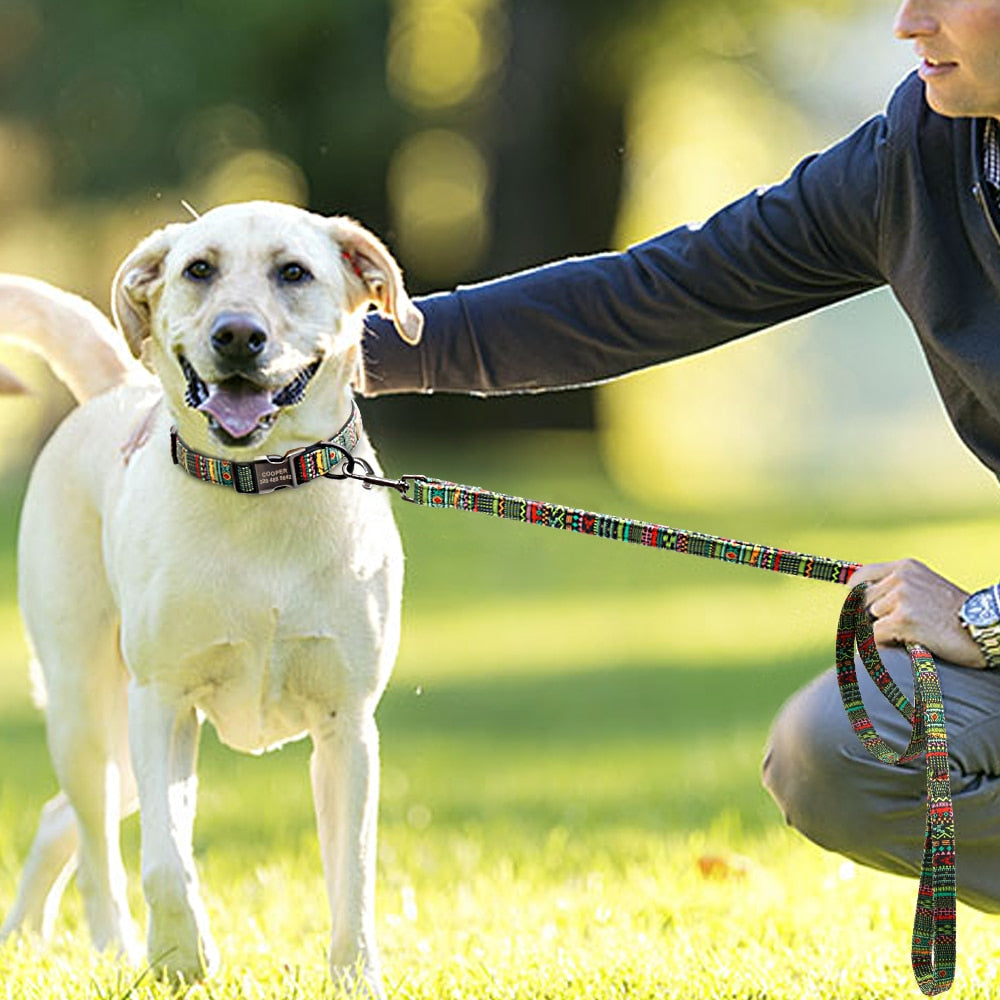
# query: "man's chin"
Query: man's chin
{"points": [[949, 102]]}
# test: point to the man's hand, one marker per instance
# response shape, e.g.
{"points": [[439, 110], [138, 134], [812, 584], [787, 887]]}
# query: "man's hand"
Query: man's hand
{"points": [[911, 603]]}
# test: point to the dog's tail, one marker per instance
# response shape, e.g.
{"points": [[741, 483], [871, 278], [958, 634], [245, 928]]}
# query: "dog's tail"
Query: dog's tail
{"points": [[78, 341]]}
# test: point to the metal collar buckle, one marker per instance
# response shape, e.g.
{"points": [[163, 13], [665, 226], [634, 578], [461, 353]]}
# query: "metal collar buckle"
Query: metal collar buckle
{"points": [[278, 472]]}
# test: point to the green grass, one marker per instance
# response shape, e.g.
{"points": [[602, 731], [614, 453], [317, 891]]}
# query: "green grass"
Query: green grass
{"points": [[571, 726]]}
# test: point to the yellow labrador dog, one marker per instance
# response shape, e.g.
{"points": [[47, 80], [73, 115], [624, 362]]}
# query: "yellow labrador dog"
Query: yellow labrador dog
{"points": [[154, 595]]}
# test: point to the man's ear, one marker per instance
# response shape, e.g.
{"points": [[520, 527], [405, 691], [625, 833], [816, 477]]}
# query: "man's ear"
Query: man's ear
{"points": [[135, 285], [375, 277]]}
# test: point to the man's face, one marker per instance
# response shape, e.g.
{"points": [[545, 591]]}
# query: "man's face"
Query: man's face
{"points": [[958, 43]]}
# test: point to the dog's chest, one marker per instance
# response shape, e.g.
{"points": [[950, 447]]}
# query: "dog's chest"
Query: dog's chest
{"points": [[258, 695], [270, 625]]}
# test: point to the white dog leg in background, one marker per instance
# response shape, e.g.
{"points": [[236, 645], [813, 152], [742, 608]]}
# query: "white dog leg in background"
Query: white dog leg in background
{"points": [[49, 867], [345, 780], [94, 772], [164, 743]]}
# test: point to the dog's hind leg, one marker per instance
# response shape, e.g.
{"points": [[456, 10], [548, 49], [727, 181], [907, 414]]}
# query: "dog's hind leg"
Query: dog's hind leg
{"points": [[49, 867], [72, 621], [52, 860], [88, 750]]}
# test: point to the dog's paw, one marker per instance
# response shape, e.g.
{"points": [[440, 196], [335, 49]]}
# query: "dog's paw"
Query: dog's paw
{"points": [[184, 965], [178, 942], [359, 981], [180, 947]]}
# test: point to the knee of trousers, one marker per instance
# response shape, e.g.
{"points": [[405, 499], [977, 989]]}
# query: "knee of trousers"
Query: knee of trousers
{"points": [[825, 782]]}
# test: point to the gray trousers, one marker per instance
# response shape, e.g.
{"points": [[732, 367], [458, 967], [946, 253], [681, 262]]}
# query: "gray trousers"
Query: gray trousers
{"points": [[833, 791]]}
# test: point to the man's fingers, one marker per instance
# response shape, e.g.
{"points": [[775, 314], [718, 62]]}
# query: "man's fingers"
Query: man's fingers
{"points": [[885, 633], [881, 595], [909, 602], [871, 573]]}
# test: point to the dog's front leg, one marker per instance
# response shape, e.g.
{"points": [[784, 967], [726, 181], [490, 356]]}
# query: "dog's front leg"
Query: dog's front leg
{"points": [[164, 742], [345, 790]]}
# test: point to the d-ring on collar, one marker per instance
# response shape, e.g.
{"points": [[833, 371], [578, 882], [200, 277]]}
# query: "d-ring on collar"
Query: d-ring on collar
{"points": [[270, 472]]}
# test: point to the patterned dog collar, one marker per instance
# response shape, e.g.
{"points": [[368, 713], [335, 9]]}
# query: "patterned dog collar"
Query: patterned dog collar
{"points": [[271, 472]]}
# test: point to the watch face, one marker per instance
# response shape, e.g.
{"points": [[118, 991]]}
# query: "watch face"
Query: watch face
{"points": [[981, 610]]}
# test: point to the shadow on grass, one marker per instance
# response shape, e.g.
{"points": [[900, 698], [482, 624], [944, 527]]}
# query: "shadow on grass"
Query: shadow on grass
{"points": [[670, 749], [622, 703]]}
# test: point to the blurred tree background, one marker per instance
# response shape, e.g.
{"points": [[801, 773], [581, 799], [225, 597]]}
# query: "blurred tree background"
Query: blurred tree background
{"points": [[476, 136]]}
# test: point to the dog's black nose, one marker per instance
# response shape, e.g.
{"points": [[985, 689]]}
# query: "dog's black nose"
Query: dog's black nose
{"points": [[238, 337]]}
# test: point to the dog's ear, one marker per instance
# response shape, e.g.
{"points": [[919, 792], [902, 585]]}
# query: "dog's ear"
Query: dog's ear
{"points": [[135, 286], [373, 272]]}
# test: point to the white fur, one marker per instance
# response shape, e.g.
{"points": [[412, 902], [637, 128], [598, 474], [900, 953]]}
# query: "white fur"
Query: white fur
{"points": [[153, 600]]}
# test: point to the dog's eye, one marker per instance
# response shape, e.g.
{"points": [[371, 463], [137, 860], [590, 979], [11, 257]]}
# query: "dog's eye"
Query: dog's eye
{"points": [[199, 270], [293, 273]]}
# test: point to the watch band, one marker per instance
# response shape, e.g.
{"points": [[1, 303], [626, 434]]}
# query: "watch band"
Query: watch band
{"points": [[987, 635], [988, 640]]}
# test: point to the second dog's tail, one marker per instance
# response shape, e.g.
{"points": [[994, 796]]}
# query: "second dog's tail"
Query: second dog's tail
{"points": [[78, 341]]}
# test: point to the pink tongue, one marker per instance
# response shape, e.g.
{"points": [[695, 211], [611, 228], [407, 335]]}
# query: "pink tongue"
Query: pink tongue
{"points": [[237, 406]]}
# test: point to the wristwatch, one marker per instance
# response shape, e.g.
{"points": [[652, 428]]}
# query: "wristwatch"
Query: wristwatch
{"points": [[980, 615]]}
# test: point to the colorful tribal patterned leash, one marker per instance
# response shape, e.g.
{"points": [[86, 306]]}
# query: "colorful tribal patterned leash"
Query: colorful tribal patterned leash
{"points": [[932, 952]]}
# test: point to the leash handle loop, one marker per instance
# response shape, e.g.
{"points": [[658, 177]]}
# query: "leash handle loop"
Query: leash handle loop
{"points": [[933, 943]]}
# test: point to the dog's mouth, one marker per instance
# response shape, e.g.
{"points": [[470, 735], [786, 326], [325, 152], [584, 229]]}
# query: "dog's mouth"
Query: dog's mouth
{"points": [[238, 410]]}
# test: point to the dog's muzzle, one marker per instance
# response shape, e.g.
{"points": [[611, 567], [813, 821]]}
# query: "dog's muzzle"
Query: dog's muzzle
{"points": [[237, 409]]}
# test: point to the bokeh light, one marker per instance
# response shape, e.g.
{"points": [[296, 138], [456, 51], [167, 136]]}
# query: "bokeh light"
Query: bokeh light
{"points": [[438, 186], [442, 51], [253, 174]]}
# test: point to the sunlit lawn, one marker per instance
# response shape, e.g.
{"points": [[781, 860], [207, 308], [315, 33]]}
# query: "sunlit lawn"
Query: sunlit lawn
{"points": [[573, 724]]}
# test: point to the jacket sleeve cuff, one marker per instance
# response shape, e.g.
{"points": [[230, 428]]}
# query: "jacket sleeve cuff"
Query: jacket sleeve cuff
{"points": [[447, 358], [388, 364]]}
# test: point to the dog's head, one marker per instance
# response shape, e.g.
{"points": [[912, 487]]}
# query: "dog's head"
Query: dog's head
{"points": [[244, 312]]}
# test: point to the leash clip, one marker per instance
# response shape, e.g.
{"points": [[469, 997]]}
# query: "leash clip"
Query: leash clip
{"points": [[349, 465]]}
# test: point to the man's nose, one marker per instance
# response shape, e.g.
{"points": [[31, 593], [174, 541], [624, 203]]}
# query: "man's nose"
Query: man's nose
{"points": [[914, 19]]}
